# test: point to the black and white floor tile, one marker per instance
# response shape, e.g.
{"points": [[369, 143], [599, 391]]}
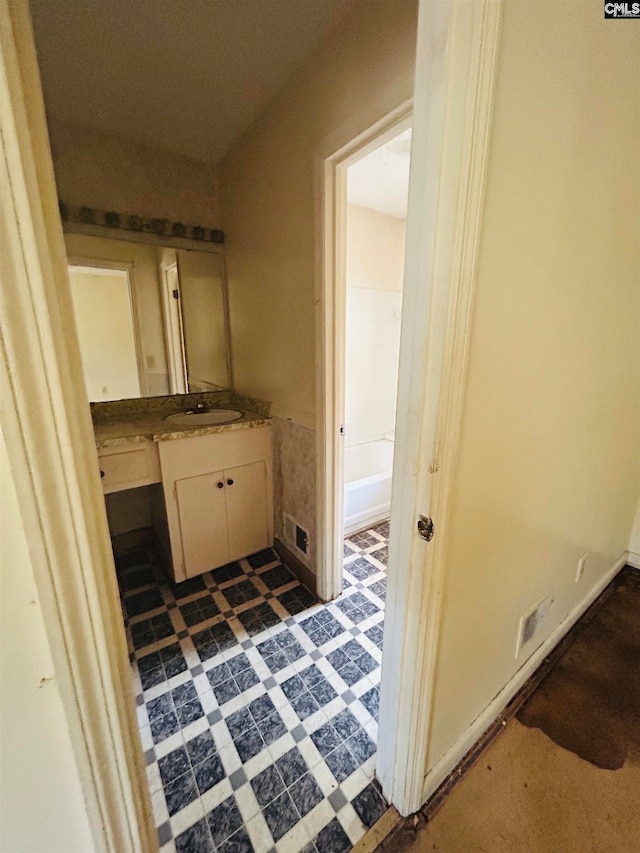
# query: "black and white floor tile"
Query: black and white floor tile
{"points": [[257, 704]]}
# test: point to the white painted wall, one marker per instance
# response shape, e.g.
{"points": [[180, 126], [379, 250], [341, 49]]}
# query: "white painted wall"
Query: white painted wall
{"points": [[41, 800], [102, 308], [548, 462], [375, 267], [145, 288]]}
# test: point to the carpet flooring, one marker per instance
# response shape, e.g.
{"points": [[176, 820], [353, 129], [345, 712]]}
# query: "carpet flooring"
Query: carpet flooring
{"points": [[564, 777]]}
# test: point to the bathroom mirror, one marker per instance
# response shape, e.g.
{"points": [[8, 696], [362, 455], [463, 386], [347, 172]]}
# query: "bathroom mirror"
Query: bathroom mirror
{"points": [[151, 320]]}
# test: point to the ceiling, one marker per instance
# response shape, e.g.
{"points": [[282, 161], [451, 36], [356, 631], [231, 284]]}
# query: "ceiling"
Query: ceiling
{"points": [[380, 181], [189, 76]]}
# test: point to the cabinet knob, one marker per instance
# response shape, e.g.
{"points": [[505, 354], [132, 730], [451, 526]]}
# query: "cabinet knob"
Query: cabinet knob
{"points": [[229, 482], [221, 485], [102, 473]]}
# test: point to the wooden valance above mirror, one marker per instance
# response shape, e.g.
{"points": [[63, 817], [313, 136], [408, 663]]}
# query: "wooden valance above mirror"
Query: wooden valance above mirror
{"points": [[127, 226]]}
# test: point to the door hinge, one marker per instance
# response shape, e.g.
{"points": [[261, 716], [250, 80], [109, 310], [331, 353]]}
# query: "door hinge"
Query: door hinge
{"points": [[425, 528]]}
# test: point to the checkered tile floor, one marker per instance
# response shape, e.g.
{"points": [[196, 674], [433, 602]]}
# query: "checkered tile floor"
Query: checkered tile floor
{"points": [[257, 704]]}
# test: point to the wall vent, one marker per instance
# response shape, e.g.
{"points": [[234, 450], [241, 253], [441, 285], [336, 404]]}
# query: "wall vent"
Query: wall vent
{"points": [[295, 535], [302, 539]]}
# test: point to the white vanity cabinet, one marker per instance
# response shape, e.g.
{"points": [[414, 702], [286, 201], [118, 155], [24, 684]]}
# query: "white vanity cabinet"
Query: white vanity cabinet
{"points": [[218, 497], [129, 466]]}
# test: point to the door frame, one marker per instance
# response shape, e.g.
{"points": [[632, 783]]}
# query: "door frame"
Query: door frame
{"points": [[173, 330], [331, 380], [49, 436], [451, 116]]}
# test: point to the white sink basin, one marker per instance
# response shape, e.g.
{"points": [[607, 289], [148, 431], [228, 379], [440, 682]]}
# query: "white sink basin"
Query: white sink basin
{"points": [[212, 418]]}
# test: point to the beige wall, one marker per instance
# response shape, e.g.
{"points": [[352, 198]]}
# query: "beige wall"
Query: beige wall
{"points": [[375, 269], [204, 320], [375, 249], [109, 173], [41, 801], [270, 214], [363, 71], [548, 463]]}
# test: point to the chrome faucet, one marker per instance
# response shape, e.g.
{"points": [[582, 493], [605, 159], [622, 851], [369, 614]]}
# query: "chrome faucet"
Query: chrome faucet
{"points": [[199, 407]]}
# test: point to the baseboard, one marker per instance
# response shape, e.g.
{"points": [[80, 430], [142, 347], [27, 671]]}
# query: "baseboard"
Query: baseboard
{"points": [[476, 732], [633, 559], [302, 572], [364, 520]]}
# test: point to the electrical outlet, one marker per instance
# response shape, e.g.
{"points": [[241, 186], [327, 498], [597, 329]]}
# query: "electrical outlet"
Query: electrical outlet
{"points": [[295, 535], [580, 568], [531, 622]]}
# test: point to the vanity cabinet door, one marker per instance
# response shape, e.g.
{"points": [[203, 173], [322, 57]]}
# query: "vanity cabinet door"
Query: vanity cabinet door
{"points": [[247, 509], [218, 497], [203, 522]]}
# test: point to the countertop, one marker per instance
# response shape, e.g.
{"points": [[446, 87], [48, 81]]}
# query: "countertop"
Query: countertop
{"points": [[130, 429]]}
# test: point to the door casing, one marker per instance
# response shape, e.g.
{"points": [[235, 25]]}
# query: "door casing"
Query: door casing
{"points": [[450, 116]]}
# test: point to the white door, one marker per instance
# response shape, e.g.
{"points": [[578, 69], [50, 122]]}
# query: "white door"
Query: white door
{"points": [[456, 50], [203, 522], [246, 499]]}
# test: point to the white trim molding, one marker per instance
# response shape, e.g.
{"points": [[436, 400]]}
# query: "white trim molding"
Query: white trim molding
{"points": [[633, 559], [49, 437], [457, 53], [330, 344], [439, 772]]}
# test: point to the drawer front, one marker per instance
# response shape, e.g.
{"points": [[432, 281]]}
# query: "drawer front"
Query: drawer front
{"points": [[129, 468]]}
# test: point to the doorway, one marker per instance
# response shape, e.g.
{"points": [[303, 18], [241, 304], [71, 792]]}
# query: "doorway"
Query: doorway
{"points": [[365, 206], [376, 212]]}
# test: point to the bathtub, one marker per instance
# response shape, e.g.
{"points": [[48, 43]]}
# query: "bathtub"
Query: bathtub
{"points": [[367, 490]]}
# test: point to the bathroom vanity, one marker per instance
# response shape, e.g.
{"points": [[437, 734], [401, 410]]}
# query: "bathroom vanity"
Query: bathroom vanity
{"points": [[193, 465], [211, 485]]}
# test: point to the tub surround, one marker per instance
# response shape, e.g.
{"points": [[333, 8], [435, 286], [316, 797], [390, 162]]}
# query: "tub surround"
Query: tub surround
{"points": [[122, 422], [367, 490]]}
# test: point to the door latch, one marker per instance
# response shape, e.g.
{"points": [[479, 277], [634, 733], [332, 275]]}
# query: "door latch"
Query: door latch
{"points": [[425, 528]]}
